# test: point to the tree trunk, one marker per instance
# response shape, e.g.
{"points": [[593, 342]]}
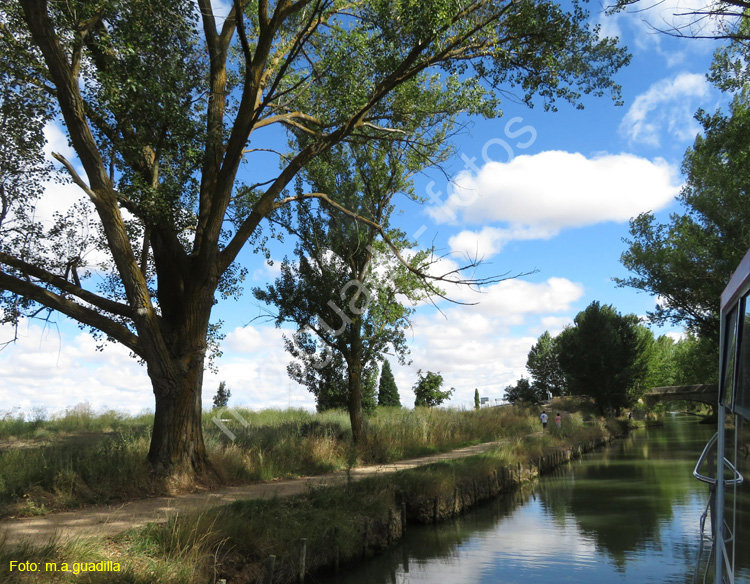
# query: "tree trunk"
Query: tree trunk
{"points": [[177, 439], [355, 400]]}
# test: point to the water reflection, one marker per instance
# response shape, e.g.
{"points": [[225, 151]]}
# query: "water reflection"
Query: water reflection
{"points": [[628, 514]]}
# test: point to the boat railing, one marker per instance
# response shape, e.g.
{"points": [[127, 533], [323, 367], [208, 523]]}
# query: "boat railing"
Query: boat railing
{"points": [[737, 477]]}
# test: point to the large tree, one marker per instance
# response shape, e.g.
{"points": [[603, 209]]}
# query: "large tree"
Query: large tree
{"points": [[602, 356], [688, 261], [163, 105], [343, 289]]}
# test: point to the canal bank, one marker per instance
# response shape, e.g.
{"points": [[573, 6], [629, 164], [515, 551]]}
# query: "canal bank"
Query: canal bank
{"points": [[628, 513], [309, 534], [374, 515]]}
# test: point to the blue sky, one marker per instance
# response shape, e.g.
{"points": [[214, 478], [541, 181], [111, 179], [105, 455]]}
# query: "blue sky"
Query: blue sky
{"points": [[544, 191]]}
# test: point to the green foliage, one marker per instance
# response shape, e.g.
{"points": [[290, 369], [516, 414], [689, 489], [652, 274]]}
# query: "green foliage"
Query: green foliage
{"points": [[388, 392], [330, 385], [427, 390], [476, 398], [602, 356], [696, 361], [688, 261], [221, 399], [524, 392], [544, 367], [659, 356]]}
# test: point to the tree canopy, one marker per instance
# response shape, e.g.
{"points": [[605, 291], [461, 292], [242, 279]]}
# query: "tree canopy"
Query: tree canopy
{"points": [[544, 367], [163, 105], [524, 392], [602, 356], [688, 261], [427, 390]]}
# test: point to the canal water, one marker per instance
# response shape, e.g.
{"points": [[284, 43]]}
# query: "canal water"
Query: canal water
{"points": [[627, 514]]}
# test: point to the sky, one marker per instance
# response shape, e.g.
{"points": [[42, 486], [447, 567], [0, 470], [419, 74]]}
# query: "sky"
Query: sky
{"points": [[545, 194]]}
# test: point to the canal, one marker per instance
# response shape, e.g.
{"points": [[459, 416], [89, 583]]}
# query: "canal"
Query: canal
{"points": [[629, 513]]}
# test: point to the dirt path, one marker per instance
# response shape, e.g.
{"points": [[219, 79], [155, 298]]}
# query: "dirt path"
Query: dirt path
{"points": [[108, 520]]}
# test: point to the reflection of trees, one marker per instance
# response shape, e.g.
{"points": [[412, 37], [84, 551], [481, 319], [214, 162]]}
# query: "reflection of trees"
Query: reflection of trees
{"points": [[426, 543], [617, 497], [620, 497]]}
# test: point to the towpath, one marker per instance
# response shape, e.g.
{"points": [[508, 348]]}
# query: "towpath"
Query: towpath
{"points": [[108, 520]]}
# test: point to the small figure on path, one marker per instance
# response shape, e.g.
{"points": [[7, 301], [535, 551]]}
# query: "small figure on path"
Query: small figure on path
{"points": [[543, 418], [558, 420]]}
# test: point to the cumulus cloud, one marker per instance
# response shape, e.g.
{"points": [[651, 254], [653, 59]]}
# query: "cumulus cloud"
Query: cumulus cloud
{"points": [[541, 194], [476, 346], [667, 107], [491, 240], [50, 368]]}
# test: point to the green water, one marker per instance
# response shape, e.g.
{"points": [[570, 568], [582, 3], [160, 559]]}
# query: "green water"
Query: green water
{"points": [[626, 514]]}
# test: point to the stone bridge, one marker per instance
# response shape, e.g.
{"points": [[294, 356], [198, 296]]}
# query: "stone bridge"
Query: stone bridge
{"points": [[706, 393]]}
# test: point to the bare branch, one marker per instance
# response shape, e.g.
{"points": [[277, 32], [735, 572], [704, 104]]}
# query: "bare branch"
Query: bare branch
{"points": [[445, 278], [75, 176]]}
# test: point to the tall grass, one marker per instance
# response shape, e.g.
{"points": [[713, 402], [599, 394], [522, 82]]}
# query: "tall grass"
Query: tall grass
{"points": [[90, 458]]}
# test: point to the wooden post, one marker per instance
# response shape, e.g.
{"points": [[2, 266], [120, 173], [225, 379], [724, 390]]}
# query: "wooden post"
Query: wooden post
{"points": [[455, 500], [302, 558], [270, 566], [389, 535], [435, 509], [403, 518]]}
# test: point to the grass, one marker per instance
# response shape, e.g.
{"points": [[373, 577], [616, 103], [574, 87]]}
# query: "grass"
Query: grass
{"points": [[234, 540], [79, 457]]}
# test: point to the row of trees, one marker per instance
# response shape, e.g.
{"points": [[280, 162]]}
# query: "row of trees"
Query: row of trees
{"points": [[613, 359], [331, 390]]}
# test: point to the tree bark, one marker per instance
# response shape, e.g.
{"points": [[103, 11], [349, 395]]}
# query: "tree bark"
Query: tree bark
{"points": [[355, 401], [177, 439]]}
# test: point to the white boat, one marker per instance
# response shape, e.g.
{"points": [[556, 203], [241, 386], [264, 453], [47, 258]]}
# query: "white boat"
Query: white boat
{"points": [[719, 551]]}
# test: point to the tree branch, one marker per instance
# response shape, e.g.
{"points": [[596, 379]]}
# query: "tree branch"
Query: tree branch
{"points": [[72, 309], [62, 284]]}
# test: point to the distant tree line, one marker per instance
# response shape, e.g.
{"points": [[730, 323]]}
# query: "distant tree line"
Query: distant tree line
{"points": [[613, 359]]}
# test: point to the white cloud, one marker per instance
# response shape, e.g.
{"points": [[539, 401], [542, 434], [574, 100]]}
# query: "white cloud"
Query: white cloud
{"points": [[55, 369], [47, 367], [476, 346], [667, 107], [540, 195], [254, 368], [491, 240], [555, 324]]}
